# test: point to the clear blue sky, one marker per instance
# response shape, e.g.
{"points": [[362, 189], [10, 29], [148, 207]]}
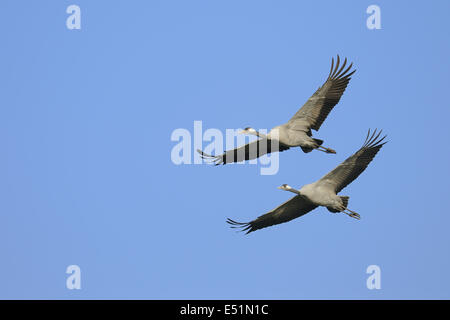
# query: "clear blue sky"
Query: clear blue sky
{"points": [[86, 176]]}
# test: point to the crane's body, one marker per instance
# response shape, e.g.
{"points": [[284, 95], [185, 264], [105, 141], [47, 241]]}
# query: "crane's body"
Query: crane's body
{"points": [[296, 134], [321, 196]]}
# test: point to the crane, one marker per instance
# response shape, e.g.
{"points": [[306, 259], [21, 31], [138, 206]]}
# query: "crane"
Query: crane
{"points": [[323, 192], [297, 131]]}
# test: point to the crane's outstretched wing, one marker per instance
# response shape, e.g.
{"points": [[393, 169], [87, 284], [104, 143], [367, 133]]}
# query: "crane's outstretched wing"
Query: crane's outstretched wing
{"points": [[249, 151], [353, 166], [317, 108], [291, 209]]}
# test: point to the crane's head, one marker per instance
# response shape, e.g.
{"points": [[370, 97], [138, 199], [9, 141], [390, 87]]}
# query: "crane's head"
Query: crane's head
{"points": [[249, 130], [285, 187]]}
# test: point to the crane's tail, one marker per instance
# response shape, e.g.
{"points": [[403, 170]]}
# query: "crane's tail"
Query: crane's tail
{"points": [[318, 141], [344, 203], [346, 210], [344, 200], [309, 149]]}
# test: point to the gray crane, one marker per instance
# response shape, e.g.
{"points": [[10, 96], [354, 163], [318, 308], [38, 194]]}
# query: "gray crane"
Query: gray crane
{"points": [[323, 192], [297, 131]]}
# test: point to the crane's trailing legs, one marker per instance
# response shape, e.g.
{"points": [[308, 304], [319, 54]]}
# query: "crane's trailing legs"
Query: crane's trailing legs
{"points": [[352, 214], [326, 150]]}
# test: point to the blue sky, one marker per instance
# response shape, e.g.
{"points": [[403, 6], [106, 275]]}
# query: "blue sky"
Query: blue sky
{"points": [[86, 176]]}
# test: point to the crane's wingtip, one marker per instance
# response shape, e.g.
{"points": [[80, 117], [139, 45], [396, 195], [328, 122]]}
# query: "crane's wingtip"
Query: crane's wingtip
{"points": [[203, 154], [243, 226]]}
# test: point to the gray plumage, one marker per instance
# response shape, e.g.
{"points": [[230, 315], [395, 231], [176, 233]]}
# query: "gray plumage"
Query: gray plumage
{"points": [[322, 192], [297, 131]]}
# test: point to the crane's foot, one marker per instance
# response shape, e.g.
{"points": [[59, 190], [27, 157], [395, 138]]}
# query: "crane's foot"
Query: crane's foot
{"points": [[355, 215], [352, 214], [326, 150]]}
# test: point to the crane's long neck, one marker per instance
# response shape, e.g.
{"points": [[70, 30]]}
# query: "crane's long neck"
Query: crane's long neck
{"points": [[260, 135], [294, 191]]}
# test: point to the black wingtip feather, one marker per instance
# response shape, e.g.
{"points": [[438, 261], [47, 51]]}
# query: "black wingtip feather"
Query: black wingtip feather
{"points": [[213, 159], [373, 140], [244, 226], [337, 70]]}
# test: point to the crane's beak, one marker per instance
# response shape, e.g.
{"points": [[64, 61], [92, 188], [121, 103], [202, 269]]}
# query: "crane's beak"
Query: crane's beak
{"points": [[242, 132], [280, 187]]}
